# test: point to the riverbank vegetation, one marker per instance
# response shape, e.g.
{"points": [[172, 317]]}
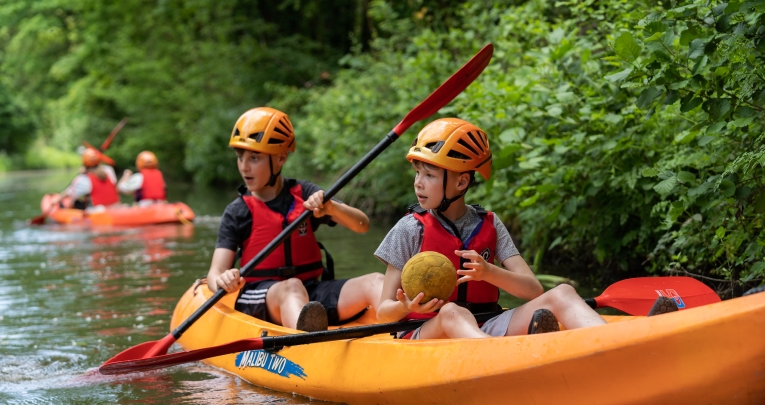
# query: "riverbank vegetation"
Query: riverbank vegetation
{"points": [[627, 136]]}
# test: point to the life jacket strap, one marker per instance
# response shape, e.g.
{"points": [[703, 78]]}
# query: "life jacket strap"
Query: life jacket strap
{"points": [[287, 271], [479, 308]]}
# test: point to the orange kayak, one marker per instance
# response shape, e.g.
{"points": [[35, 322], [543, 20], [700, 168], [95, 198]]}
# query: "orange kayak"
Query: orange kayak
{"points": [[707, 355], [121, 215]]}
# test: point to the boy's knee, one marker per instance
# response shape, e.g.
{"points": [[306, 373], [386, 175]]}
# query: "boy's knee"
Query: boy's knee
{"points": [[371, 282], [451, 312], [375, 279], [292, 286], [563, 292]]}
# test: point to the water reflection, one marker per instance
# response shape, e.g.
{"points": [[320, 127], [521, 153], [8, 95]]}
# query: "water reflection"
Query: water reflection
{"points": [[73, 296]]}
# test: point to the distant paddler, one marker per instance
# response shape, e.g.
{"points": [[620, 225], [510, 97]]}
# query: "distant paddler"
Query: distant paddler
{"points": [[95, 187], [148, 184]]}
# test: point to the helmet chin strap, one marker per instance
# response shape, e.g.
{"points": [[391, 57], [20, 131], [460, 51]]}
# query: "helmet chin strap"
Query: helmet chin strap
{"points": [[446, 202], [272, 179]]}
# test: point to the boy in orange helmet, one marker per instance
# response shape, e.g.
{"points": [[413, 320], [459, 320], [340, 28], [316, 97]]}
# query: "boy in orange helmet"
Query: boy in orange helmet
{"points": [[94, 187], [285, 287], [445, 156], [148, 185]]}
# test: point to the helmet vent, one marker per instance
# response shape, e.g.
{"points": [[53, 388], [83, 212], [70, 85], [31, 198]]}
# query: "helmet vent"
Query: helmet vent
{"points": [[435, 146], [478, 144], [258, 136], [482, 137], [458, 155], [275, 141], [276, 129], [236, 132], [468, 147], [414, 142], [286, 124]]}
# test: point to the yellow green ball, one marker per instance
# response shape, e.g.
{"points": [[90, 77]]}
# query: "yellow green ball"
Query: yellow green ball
{"points": [[430, 273]]}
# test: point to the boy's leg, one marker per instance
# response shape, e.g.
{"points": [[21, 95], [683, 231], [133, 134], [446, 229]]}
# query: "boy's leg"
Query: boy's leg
{"points": [[285, 299], [564, 302], [452, 321], [359, 293]]}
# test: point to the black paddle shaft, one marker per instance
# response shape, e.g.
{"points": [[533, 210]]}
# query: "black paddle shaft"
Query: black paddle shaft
{"points": [[271, 342], [286, 232]]}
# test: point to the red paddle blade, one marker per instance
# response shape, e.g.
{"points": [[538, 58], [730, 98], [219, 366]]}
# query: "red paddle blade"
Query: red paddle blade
{"points": [[448, 90], [635, 296], [116, 366], [38, 220], [143, 350], [104, 158], [111, 136]]}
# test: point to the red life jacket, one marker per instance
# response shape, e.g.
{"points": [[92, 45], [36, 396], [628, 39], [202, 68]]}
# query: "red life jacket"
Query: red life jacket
{"points": [[299, 256], [103, 192], [478, 296], [153, 187]]}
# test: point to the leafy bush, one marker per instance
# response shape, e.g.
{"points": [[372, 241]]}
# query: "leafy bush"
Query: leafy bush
{"points": [[614, 154], [705, 61]]}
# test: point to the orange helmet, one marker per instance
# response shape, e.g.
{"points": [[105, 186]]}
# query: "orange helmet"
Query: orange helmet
{"points": [[453, 144], [263, 130], [146, 160], [91, 157]]}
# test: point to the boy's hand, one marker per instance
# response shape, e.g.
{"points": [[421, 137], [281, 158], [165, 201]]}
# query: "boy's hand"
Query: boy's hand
{"points": [[414, 305], [476, 269], [230, 280], [316, 204]]}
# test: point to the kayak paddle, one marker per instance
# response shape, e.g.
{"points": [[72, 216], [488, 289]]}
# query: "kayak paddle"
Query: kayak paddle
{"points": [[434, 102], [267, 343], [108, 141], [635, 296], [691, 292]]}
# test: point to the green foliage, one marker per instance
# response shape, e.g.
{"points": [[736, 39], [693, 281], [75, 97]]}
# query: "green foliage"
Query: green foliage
{"points": [[15, 128], [703, 61], [621, 138], [41, 156], [181, 71]]}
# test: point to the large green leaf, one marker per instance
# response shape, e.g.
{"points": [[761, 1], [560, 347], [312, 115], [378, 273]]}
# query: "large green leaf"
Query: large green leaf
{"points": [[647, 96], [685, 177], [626, 47], [696, 48], [666, 186], [619, 76], [717, 108]]}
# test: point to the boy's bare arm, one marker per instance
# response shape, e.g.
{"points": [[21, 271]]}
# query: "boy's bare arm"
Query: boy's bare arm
{"points": [[516, 278], [221, 275], [395, 305], [345, 215], [391, 309]]}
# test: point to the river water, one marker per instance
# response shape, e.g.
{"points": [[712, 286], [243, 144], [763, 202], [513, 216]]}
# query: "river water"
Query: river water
{"points": [[72, 297]]}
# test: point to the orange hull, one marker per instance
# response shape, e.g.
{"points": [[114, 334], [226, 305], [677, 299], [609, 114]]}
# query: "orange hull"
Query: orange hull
{"points": [[707, 355], [121, 215]]}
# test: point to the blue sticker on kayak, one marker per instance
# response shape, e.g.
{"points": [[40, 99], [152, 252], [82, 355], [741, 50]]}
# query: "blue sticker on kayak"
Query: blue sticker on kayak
{"points": [[270, 362]]}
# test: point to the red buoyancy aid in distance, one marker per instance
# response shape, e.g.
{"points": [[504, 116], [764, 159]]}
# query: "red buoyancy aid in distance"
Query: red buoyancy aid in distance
{"points": [[479, 295], [153, 187], [299, 256], [102, 192]]}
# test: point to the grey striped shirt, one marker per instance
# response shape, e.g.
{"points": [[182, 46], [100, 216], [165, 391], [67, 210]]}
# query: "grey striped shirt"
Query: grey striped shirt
{"points": [[405, 238]]}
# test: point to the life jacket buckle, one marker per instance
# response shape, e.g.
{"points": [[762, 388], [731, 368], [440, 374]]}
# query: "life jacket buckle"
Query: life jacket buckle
{"points": [[287, 271]]}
